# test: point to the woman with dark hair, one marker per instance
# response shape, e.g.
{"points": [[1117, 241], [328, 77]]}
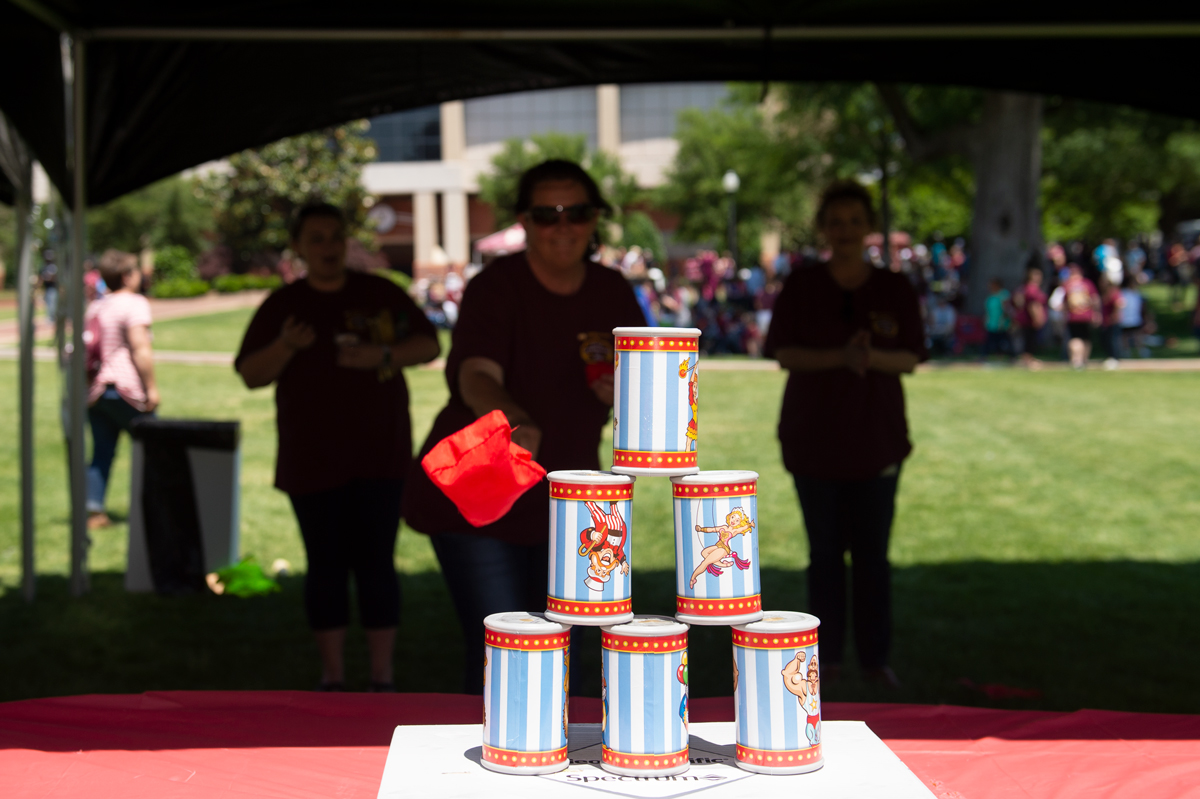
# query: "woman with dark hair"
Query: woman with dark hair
{"points": [[534, 340], [334, 345], [845, 332]]}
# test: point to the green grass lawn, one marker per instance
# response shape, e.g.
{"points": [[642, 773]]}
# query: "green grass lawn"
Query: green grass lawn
{"points": [[1045, 539], [217, 332]]}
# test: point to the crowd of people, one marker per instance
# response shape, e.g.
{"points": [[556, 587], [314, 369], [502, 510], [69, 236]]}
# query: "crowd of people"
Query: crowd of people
{"points": [[1071, 297]]}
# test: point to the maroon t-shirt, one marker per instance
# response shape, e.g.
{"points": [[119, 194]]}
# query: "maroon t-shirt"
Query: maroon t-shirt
{"points": [[835, 424], [337, 424], [1024, 300], [544, 342]]}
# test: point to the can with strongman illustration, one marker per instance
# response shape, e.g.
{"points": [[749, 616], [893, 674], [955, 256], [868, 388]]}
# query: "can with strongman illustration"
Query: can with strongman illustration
{"points": [[590, 548], [716, 548], [777, 694], [525, 679], [644, 694], [655, 400]]}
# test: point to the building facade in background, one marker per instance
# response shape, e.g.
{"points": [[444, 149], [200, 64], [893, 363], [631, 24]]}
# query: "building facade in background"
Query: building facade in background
{"points": [[427, 177]]}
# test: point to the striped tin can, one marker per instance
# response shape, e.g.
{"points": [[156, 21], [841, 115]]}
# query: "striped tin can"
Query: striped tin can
{"points": [[525, 676], [644, 693], [655, 396], [716, 548], [777, 694], [590, 540]]}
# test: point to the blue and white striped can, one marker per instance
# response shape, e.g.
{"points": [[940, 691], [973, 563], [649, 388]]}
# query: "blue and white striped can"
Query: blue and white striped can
{"points": [[716, 548], [655, 398], [644, 693], [777, 693], [590, 548], [525, 679]]}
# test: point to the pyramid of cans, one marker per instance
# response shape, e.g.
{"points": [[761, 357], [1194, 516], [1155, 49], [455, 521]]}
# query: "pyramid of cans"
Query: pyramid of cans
{"points": [[645, 662]]}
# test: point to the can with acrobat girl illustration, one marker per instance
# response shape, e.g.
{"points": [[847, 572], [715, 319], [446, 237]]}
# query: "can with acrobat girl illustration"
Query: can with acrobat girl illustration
{"points": [[590, 548], [644, 694], [777, 694], [525, 680], [716, 548], [655, 400]]}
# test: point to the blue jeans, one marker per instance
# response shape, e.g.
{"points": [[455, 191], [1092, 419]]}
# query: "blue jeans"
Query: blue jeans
{"points": [[108, 417], [487, 576]]}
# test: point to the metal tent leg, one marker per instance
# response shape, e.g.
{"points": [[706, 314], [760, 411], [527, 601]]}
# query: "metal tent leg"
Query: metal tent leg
{"points": [[73, 74]]}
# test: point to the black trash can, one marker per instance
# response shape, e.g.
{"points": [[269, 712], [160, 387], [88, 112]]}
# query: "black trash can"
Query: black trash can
{"points": [[183, 509]]}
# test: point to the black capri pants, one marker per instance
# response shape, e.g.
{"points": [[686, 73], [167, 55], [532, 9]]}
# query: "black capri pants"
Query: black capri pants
{"points": [[854, 516], [351, 528]]}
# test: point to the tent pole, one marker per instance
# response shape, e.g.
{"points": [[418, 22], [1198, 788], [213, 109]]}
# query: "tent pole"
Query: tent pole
{"points": [[984, 31], [77, 387], [25, 313]]}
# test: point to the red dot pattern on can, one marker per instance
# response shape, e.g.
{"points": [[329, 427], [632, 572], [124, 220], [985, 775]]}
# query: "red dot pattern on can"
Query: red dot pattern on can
{"points": [[583, 493], [653, 460], [642, 761], [643, 644], [617, 607], [788, 758], [657, 344], [734, 606], [784, 641], [526, 643], [509, 757], [684, 490]]}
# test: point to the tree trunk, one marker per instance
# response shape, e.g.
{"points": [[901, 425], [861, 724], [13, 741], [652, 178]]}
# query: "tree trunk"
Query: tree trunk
{"points": [[1006, 231]]}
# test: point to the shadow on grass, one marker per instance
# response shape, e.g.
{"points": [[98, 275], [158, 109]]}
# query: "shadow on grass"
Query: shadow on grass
{"points": [[1115, 635]]}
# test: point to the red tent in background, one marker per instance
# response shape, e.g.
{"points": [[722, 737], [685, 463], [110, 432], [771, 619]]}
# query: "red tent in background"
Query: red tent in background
{"points": [[502, 242]]}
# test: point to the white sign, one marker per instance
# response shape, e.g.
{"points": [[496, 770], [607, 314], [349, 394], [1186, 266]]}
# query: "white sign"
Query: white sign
{"points": [[443, 762], [711, 765]]}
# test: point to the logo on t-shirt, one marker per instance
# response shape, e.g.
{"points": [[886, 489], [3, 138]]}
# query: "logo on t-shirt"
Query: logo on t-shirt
{"points": [[884, 324], [596, 350]]}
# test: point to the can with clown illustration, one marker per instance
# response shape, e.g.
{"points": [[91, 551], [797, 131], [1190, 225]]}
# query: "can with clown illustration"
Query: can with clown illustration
{"points": [[716, 548], [590, 548], [644, 694], [525, 680], [777, 694], [656, 391]]}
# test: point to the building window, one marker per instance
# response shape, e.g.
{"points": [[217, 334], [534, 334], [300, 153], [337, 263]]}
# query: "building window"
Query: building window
{"points": [[494, 119], [650, 110], [414, 135]]}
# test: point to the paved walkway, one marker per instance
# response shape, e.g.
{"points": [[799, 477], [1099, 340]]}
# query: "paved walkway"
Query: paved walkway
{"points": [[161, 310]]}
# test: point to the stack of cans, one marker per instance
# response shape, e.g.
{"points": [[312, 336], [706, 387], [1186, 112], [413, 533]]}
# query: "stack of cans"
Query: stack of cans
{"points": [[776, 670]]}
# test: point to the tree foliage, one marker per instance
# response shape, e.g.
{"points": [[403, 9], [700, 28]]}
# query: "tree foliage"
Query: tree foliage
{"points": [[168, 213], [774, 164], [1117, 171], [255, 198]]}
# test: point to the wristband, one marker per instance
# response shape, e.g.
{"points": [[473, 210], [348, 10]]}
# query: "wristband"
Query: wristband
{"points": [[386, 363]]}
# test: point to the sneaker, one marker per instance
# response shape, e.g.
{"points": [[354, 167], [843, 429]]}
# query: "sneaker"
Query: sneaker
{"points": [[97, 520]]}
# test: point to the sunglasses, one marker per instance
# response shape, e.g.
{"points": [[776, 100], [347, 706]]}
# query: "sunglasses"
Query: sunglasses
{"points": [[547, 215]]}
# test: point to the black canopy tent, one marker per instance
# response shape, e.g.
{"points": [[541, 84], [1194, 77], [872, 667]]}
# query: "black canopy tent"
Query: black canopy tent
{"points": [[113, 94]]}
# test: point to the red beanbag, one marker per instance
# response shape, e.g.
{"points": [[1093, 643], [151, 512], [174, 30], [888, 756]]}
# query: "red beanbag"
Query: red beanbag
{"points": [[480, 470]]}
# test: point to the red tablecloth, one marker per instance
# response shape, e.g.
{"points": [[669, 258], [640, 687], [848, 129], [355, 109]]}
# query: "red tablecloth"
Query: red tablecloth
{"points": [[293, 744]]}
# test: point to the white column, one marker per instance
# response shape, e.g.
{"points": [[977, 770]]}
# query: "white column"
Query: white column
{"points": [[456, 236], [608, 118], [424, 229], [454, 131]]}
